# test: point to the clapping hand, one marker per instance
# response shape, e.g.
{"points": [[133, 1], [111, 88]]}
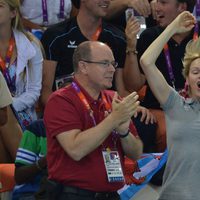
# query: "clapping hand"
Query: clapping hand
{"points": [[123, 110]]}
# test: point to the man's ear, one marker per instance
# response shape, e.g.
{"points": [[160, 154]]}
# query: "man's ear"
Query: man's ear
{"points": [[82, 67], [182, 7]]}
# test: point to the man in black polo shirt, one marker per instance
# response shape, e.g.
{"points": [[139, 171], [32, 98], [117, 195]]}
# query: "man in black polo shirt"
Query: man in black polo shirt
{"points": [[166, 11]]}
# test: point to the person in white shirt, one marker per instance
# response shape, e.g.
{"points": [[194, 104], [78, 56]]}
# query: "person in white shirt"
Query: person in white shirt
{"points": [[37, 15]]}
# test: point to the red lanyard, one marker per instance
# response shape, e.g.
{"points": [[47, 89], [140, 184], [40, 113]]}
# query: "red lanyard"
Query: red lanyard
{"points": [[82, 97], [97, 32], [86, 104], [196, 31], [5, 63]]}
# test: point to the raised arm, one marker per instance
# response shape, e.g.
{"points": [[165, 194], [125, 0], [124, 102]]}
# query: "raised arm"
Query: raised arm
{"points": [[182, 24], [133, 78]]}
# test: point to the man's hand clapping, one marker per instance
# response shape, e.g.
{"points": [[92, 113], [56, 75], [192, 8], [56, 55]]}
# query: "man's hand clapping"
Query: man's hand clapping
{"points": [[123, 110]]}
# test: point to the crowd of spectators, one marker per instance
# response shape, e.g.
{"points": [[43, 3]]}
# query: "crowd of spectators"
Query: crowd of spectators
{"points": [[75, 100]]}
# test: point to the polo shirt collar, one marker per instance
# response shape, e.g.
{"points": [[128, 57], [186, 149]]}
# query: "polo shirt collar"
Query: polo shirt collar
{"points": [[90, 100]]}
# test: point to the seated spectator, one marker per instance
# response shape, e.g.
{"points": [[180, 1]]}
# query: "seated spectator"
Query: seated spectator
{"points": [[30, 163], [21, 63], [145, 8], [89, 127], [88, 25], [58, 65], [40, 14]]}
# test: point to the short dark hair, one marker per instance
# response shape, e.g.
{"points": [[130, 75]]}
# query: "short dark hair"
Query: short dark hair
{"points": [[82, 52], [190, 4], [76, 3]]}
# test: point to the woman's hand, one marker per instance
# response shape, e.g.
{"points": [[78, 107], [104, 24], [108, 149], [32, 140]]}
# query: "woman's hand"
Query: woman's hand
{"points": [[184, 22]]}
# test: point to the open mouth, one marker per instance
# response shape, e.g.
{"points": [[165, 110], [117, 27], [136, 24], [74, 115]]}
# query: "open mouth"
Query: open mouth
{"points": [[160, 16], [198, 84]]}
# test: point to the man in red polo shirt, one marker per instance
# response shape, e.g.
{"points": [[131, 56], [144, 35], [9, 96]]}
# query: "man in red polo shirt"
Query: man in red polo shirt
{"points": [[89, 129]]}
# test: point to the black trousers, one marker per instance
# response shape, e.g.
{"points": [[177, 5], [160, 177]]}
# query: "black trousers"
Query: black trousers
{"points": [[74, 193], [71, 196], [61, 192]]}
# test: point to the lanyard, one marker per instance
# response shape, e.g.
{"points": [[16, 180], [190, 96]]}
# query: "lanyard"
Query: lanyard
{"points": [[169, 64], [4, 64], [196, 28], [197, 9], [97, 32], [45, 12], [168, 59], [86, 104], [10, 81], [62, 5]]}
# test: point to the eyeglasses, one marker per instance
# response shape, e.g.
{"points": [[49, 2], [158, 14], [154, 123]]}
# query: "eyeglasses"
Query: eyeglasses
{"points": [[105, 63]]}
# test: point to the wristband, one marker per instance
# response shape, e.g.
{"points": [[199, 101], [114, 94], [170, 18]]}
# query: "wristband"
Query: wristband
{"points": [[129, 51], [38, 165], [125, 135]]}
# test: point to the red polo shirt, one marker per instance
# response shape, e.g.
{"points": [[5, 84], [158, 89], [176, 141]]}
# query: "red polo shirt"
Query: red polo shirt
{"points": [[65, 111]]}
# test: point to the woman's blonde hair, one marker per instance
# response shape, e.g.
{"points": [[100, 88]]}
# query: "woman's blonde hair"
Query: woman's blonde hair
{"points": [[16, 21], [192, 52]]}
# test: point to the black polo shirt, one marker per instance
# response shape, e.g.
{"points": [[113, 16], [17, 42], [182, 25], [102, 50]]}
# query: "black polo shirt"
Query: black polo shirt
{"points": [[60, 40], [176, 54]]}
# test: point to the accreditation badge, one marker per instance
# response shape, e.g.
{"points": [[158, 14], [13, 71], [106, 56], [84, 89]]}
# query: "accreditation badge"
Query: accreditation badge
{"points": [[113, 166]]}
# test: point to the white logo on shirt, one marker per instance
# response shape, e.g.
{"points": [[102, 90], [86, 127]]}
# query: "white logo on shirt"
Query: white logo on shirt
{"points": [[72, 44]]}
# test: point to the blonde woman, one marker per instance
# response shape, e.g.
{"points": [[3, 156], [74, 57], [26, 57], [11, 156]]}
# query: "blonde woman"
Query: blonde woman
{"points": [[181, 177], [20, 62]]}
